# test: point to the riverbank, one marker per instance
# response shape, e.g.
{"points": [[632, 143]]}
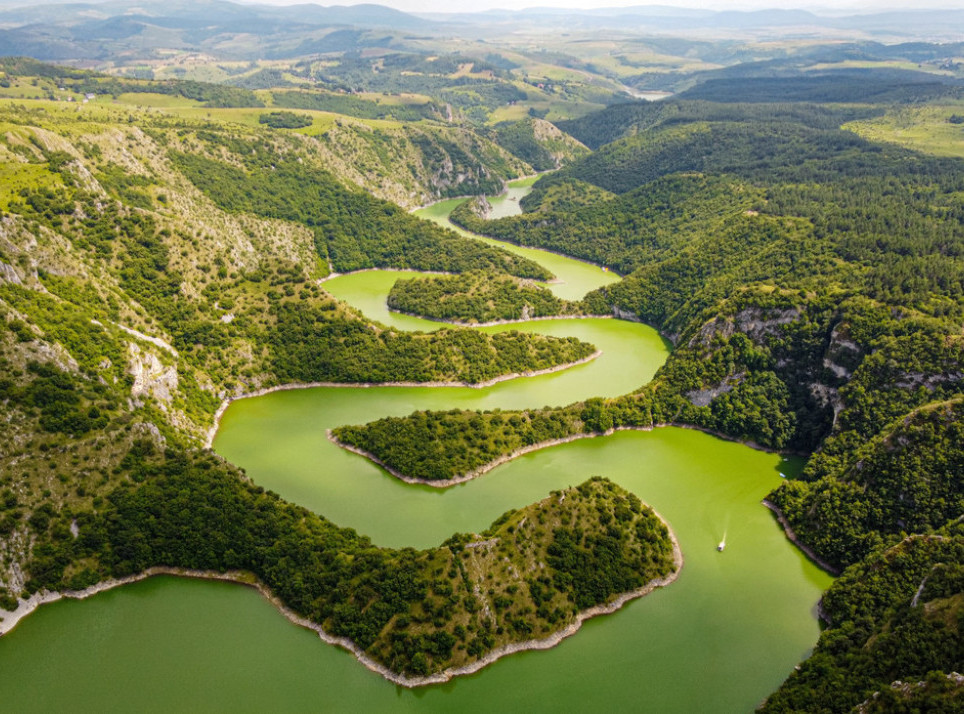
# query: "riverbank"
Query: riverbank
{"points": [[505, 190], [511, 456], [333, 275], [11, 619], [496, 323], [26, 607], [496, 239], [792, 537], [219, 414]]}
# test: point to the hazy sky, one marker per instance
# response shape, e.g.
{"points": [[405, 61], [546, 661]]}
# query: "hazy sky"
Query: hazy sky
{"points": [[822, 6]]}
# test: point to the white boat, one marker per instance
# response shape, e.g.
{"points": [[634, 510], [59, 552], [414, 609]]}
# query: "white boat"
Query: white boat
{"points": [[722, 545]]}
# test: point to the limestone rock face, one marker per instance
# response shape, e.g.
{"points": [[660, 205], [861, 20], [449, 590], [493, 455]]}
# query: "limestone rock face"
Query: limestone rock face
{"points": [[151, 377], [9, 274]]}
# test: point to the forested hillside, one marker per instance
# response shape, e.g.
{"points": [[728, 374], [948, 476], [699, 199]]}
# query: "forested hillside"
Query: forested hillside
{"points": [[155, 261], [352, 230], [539, 143], [150, 270], [893, 618], [813, 283], [477, 297], [404, 149]]}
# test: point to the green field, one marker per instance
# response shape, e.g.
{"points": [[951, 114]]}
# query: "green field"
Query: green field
{"points": [[923, 128]]}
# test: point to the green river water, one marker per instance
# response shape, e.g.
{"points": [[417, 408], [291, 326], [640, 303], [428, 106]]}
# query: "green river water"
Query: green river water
{"points": [[717, 640]]}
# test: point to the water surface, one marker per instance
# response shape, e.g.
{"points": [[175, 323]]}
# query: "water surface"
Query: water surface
{"points": [[719, 639], [574, 277]]}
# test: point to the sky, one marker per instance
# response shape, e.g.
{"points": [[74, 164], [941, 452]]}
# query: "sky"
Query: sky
{"points": [[823, 7]]}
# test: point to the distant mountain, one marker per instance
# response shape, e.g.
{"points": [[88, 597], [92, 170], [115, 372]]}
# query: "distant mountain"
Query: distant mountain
{"points": [[213, 12], [101, 30], [922, 24], [136, 29]]}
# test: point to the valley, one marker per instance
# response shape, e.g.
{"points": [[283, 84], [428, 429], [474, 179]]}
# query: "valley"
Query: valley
{"points": [[570, 342], [680, 465]]}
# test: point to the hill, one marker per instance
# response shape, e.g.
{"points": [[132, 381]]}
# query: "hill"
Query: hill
{"points": [[156, 262], [151, 269], [813, 286]]}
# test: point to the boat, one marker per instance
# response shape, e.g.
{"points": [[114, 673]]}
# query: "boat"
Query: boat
{"points": [[722, 545]]}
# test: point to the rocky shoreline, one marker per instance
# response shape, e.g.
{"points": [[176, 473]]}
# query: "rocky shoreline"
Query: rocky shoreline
{"points": [[10, 620], [333, 275], [219, 414], [495, 323], [792, 537]]}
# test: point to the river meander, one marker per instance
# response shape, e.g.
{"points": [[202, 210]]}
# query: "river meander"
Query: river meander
{"points": [[719, 639]]}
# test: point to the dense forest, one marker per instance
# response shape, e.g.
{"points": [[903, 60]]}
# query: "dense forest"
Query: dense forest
{"points": [[307, 347], [813, 284], [477, 297], [414, 612], [439, 446], [285, 120], [352, 230]]}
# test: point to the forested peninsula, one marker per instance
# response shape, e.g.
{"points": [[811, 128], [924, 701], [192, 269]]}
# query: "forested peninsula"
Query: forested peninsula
{"points": [[414, 616], [479, 298]]}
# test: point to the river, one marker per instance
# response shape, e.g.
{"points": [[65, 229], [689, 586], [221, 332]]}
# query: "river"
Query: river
{"points": [[719, 639]]}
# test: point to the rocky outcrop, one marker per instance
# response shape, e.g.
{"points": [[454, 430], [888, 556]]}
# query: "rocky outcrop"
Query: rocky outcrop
{"points": [[9, 274], [842, 353], [562, 147], [756, 323], [51, 353], [828, 397], [151, 377], [703, 397], [480, 207]]}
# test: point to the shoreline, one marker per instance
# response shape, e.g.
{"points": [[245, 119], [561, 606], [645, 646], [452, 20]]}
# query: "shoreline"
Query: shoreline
{"points": [[225, 403], [28, 606], [610, 271], [452, 225], [513, 455], [332, 275], [505, 190], [792, 537], [496, 323]]}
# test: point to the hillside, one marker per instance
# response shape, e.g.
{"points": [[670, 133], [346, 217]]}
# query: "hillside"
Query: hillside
{"points": [[162, 249], [540, 144], [408, 149], [813, 284], [413, 616], [893, 619], [149, 270]]}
